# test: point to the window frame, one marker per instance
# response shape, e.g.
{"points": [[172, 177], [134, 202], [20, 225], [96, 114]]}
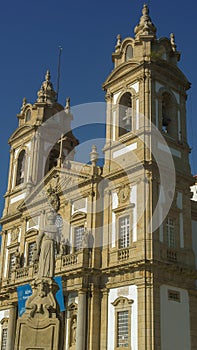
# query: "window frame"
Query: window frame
{"points": [[122, 304], [29, 263], [19, 161], [79, 247], [171, 236], [127, 234], [4, 326]]}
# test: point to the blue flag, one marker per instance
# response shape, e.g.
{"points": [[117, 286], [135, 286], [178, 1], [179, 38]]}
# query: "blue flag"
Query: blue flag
{"points": [[24, 293], [59, 294]]}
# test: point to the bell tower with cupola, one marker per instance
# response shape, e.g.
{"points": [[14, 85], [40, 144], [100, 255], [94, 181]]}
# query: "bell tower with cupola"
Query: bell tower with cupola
{"points": [[35, 149], [147, 216]]}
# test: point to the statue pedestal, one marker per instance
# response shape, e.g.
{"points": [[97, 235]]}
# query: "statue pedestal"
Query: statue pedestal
{"points": [[39, 326]]}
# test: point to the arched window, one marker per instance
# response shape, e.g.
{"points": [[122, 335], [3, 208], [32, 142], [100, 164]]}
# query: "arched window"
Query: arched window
{"points": [[129, 53], [28, 115], [20, 175], [168, 115], [52, 160], [125, 114]]}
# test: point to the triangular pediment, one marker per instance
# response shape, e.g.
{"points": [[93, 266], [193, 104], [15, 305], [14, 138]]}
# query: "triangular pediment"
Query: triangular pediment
{"points": [[56, 182]]}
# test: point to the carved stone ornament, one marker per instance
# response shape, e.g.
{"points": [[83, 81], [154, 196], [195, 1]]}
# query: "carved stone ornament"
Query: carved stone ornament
{"points": [[42, 303], [39, 326], [15, 234], [123, 194], [53, 198]]}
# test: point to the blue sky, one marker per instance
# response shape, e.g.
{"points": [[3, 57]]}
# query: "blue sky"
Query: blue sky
{"points": [[32, 31]]}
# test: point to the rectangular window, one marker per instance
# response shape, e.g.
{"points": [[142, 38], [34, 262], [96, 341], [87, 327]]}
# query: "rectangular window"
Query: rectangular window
{"points": [[122, 329], [4, 338], [170, 233], [174, 295], [11, 264], [30, 252], [78, 231], [124, 232]]}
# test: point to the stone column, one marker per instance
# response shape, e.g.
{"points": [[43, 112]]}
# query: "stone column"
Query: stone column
{"points": [[104, 320], [95, 320], [11, 328], [81, 321]]}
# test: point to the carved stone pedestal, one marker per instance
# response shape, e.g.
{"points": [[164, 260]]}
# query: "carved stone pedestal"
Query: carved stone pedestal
{"points": [[38, 328]]}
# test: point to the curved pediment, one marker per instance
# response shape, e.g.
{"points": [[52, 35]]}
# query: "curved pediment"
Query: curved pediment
{"points": [[21, 131], [120, 70], [122, 301], [78, 216], [32, 232], [127, 41]]}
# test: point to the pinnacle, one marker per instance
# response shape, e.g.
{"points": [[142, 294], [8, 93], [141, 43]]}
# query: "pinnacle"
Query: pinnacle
{"points": [[146, 26], [47, 93]]}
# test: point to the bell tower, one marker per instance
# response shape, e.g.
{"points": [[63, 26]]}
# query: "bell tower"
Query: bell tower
{"points": [[147, 218], [35, 149]]}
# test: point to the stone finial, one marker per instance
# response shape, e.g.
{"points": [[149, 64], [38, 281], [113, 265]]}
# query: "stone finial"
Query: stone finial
{"points": [[172, 40], [94, 155], [118, 44], [145, 27], [67, 107], [47, 94], [23, 104]]}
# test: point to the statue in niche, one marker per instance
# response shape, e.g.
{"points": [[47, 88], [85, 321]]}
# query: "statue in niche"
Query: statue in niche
{"points": [[73, 331], [46, 241], [17, 259]]}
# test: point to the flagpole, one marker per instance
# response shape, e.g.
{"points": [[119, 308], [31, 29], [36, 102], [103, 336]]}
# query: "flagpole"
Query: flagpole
{"points": [[58, 70]]}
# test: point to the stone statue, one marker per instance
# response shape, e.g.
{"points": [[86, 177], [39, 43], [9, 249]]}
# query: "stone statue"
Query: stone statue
{"points": [[73, 331], [17, 259], [65, 247], [46, 241]]}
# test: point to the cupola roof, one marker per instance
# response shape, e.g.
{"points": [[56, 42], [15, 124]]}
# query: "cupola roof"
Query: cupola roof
{"points": [[47, 94], [146, 26]]}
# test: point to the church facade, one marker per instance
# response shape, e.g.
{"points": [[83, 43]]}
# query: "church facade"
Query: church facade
{"points": [[125, 245]]}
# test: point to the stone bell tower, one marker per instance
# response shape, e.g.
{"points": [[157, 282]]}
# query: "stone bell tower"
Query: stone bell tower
{"points": [[147, 218], [34, 145]]}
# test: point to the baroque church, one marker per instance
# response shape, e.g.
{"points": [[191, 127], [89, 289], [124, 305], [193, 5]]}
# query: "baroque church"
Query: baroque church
{"points": [[120, 237]]}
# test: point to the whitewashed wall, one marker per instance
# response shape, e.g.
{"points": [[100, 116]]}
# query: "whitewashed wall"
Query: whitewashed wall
{"points": [[175, 320], [129, 292]]}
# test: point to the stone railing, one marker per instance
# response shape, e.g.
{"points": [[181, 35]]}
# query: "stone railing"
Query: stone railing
{"points": [[171, 255], [123, 254], [22, 272], [63, 263], [70, 259]]}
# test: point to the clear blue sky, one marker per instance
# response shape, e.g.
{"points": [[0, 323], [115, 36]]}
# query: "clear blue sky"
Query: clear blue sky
{"points": [[31, 32]]}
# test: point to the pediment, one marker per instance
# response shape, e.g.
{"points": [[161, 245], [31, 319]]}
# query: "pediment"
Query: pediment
{"points": [[21, 131], [54, 184], [78, 216], [124, 68]]}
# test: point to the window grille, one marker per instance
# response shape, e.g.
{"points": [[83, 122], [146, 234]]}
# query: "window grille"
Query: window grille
{"points": [[78, 237], [30, 252], [4, 338], [12, 264], [122, 329], [124, 232], [174, 295], [170, 233]]}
